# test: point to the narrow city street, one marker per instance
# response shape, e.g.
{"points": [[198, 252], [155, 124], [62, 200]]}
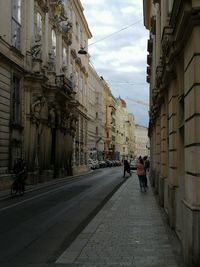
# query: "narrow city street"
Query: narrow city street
{"points": [[37, 227]]}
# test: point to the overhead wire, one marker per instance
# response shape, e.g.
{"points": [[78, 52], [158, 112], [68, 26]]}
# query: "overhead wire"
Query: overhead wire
{"points": [[110, 35]]}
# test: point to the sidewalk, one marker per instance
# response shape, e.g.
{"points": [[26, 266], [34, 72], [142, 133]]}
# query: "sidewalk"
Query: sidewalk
{"points": [[129, 231]]}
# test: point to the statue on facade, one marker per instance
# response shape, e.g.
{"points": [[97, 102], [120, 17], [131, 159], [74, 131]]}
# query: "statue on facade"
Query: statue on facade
{"points": [[66, 122], [52, 117], [44, 5], [73, 124], [52, 60], [36, 46], [59, 11], [36, 108]]}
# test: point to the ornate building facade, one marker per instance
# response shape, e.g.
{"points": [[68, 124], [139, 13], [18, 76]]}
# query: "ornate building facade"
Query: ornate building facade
{"points": [[125, 131], [43, 87], [173, 75], [95, 105]]}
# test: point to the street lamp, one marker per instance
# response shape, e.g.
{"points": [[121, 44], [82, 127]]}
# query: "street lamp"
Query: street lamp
{"points": [[82, 51]]}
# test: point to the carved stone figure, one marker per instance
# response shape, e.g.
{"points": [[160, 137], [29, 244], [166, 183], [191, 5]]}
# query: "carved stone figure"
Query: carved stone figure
{"points": [[51, 62], [44, 5], [36, 108], [66, 121], [52, 117], [36, 48], [73, 124]]}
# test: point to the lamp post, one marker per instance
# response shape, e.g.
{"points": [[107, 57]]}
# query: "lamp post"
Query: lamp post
{"points": [[82, 51]]}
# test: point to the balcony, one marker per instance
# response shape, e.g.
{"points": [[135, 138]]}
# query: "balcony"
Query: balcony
{"points": [[150, 45], [64, 84], [149, 59]]}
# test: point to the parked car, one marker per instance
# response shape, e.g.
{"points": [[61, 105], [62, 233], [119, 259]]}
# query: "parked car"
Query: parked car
{"points": [[133, 164], [96, 164], [108, 163], [102, 164], [91, 164], [118, 163]]}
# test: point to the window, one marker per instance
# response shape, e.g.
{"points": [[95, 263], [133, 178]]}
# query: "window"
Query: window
{"points": [[38, 25], [16, 107], [77, 31], [53, 40], [170, 6], [81, 83], [64, 56], [16, 23]]}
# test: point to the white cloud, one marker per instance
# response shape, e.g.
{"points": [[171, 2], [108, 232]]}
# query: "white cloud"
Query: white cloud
{"points": [[120, 54]]}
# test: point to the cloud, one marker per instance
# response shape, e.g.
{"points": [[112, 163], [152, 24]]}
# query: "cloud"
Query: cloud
{"points": [[118, 49]]}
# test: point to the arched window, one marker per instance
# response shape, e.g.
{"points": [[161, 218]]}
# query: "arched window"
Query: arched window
{"points": [[64, 55], [38, 25]]}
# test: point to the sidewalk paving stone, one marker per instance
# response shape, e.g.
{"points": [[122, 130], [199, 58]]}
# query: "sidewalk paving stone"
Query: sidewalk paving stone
{"points": [[129, 231]]}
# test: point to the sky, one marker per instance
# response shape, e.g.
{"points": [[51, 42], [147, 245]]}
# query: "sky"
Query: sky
{"points": [[118, 50]]}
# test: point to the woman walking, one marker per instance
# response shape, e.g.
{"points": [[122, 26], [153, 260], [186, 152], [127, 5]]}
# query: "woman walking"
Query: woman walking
{"points": [[141, 174]]}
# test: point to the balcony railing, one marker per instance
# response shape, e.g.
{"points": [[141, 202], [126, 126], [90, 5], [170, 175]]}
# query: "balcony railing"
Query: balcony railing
{"points": [[64, 84]]}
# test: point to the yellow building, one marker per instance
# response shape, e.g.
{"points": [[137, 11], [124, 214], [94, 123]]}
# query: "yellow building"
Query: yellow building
{"points": [[173, 76]]}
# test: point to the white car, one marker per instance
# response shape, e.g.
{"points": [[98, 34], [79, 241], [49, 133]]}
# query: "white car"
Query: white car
{"points": [[96, 164], [91, 164]]}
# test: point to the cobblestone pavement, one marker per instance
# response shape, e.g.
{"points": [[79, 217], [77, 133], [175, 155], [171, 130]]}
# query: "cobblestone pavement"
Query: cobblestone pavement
{"points": [[128, 232]]}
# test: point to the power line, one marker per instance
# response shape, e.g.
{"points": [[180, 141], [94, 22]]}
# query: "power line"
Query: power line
{"points": [[124, 82], [110, 35]]}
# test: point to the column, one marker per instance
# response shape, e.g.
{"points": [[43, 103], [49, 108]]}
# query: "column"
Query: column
{"points": [[157, 154]]}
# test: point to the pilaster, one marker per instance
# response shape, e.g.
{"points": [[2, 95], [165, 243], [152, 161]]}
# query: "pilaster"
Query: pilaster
{"points": [[173, 146], [157, 154], [163, 160], [191, 204]]}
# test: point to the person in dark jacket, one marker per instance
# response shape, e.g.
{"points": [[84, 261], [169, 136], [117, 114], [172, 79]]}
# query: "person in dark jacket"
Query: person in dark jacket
{"points": [[126, 168]]}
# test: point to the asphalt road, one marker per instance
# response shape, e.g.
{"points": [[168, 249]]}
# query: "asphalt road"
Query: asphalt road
{"points": [[36, 228]]}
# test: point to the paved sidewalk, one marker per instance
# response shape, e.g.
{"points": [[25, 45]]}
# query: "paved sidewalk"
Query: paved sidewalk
{"points": [[128, 232]]}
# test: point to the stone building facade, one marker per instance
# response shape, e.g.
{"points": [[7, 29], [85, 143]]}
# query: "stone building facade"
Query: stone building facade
{"points": [[125, 131], [173, 75], [43, 83], [95, 103], [141, 141]]}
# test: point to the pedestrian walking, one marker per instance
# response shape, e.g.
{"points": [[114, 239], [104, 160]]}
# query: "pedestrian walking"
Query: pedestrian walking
{"points": [[146, 167], [126, 168], [141, 174]]}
